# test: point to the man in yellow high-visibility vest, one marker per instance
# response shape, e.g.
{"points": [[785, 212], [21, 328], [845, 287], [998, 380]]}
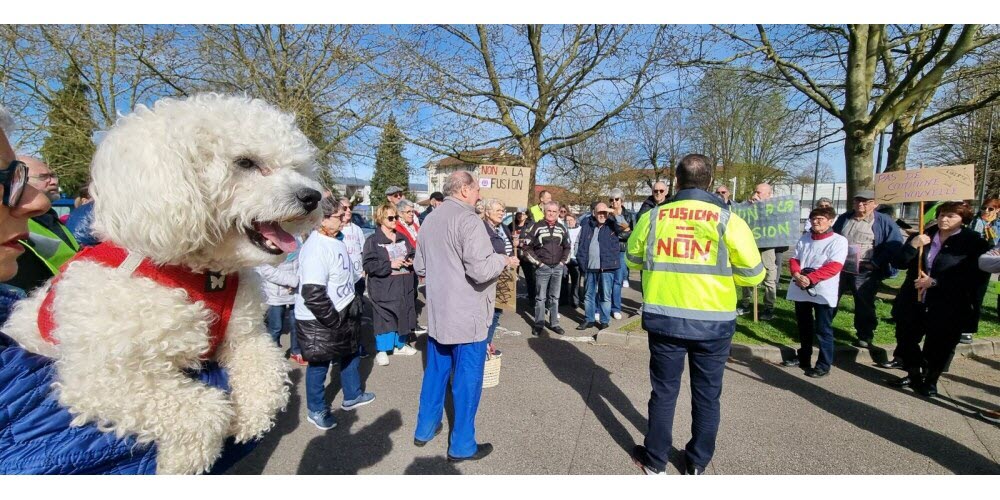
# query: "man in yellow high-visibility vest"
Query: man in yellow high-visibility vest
{"points": [[50, 243], [693, 253]]}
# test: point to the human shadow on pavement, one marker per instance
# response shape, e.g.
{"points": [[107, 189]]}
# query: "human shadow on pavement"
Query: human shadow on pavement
{"points": [[989, 389], [287, 422], [593, 382], [346, 450], [943, 450], [431, 466], [986, 361]]}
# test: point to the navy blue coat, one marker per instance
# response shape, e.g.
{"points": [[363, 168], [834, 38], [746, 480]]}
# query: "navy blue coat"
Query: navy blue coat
{"points": [[607, 239]]}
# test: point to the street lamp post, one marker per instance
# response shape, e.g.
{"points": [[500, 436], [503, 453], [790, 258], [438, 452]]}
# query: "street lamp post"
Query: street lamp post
{"points": [[986, 167], [819, 146]]}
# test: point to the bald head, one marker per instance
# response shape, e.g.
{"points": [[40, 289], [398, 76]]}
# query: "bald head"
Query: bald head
{"points": [[462, 185], [659, 191], [41, 177], [762, 192]]}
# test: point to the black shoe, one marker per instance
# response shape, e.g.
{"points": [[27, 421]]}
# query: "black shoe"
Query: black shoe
{"points": [[901, 382], [896, 363], [559, 330], [926, 390], [861, 344], [793, 362], [481, 451], [536, 330], [639, 459], [817, 373], [602, 326], [585, 326], [767, 315], [419, 443], [691, 469]]}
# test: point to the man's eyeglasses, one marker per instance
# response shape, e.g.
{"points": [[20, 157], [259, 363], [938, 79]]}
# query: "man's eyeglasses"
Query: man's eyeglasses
{"points": [[601, 213], [722, 193], [14, 178], [659, 191], [46, 177]]}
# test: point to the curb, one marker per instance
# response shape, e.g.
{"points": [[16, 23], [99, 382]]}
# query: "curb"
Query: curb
{"points": [[776, 353]]}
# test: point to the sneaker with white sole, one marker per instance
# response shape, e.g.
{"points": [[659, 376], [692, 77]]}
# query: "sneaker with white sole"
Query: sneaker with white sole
{"points": [[323, 420], [382, 359], [617, 315], [404, 351], [363, 399], [625, 284], [420, 330], [597, 317]]}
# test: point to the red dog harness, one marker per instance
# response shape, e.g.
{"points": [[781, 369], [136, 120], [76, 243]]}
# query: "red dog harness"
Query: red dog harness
{"points": [[214, 291]]}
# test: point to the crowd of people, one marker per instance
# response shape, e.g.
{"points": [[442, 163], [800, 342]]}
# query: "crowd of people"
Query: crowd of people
{"points": [[456, 249]]}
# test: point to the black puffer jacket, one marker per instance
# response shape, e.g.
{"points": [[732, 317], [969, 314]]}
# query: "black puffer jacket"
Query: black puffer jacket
{"points": [[331, 335]]}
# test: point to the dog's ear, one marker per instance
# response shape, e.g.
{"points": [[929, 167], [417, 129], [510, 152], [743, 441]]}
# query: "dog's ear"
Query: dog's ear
{"points": [[146, 186]]}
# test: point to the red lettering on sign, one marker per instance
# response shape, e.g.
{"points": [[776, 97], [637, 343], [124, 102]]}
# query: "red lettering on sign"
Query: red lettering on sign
{"points": [[683, 247]]}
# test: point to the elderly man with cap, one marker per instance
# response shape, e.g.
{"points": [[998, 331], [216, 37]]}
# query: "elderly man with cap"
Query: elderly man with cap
{"points": [[873, 239], [50, 244], [394, 194]]}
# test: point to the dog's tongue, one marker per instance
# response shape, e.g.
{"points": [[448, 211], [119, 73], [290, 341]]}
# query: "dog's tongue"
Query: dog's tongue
{"points": [[273, 232]]}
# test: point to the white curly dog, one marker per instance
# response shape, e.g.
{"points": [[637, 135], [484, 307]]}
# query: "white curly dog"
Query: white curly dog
{"points": [[211, 183]]}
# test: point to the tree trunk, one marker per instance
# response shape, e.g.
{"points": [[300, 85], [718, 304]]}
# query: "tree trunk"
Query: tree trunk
{"points": [[899, 147], [858, 148]]}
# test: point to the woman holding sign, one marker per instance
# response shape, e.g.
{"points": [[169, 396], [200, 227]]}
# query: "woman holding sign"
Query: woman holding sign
{"points": [[936, 300], [388, 260]]}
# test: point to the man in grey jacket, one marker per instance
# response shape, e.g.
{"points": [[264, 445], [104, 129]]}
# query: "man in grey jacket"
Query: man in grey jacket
{"points": [[461, 268]]}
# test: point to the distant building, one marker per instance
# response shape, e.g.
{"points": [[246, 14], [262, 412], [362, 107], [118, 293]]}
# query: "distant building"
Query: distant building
{"points": [[439, 170]]}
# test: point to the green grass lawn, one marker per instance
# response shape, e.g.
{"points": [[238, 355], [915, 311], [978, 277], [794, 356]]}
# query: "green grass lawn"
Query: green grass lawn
{"points": [[783, 330]]}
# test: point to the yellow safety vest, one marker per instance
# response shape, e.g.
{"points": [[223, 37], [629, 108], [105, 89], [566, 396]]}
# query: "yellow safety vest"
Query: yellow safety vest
{"points": [[536, 213], [693, 253], [63, 252]]}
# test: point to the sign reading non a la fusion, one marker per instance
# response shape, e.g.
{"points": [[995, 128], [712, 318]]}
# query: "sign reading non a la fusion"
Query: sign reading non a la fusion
{"points": [[774, 222], [506, 183]]}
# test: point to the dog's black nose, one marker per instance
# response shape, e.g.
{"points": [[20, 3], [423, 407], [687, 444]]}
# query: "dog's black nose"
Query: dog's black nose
{"points": [[309, 198]]}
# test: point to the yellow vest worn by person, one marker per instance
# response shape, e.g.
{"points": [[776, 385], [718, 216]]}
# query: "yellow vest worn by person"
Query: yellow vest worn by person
{"points": [[693, 253], [536, 213], [57, 252]]}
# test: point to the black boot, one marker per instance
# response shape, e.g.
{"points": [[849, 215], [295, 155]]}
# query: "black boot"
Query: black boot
{"points": [[928, 388]]}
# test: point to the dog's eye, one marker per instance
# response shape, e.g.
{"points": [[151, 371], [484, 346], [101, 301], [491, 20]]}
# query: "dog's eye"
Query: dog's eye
{"points": [[246, 163]]}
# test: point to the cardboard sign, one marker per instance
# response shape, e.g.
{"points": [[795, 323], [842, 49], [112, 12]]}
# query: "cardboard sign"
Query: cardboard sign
{"points": [[774, 222], [926, 184], [507, 184], [507, 290]]}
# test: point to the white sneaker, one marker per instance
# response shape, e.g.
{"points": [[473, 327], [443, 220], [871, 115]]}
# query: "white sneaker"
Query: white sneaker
{"points": [[597, 317], [558, 316], [625, 284], [420, 330], [617, 315], [382, 359], [405, 351]]}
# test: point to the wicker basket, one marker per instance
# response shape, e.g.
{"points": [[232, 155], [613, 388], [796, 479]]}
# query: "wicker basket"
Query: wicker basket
{"points": [[491, 373]]}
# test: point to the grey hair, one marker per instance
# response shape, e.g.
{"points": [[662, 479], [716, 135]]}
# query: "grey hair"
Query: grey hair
{"points": [[489, 203], [329, 206], [552, 203], [456, 181], [617, 193], [403, 204]]}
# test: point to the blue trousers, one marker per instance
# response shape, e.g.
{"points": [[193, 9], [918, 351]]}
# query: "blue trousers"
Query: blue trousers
{"points": [[464, 364], [280, 318], [707, 359], [389, 340], [350, 381], [493, 326], [621, 274], [821, 328], [598, 283]]}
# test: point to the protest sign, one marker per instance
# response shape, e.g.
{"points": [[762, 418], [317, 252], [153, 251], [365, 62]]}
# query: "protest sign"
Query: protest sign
{"points": [[508, 184], [926, 184], [774, 222], [507, 290]]}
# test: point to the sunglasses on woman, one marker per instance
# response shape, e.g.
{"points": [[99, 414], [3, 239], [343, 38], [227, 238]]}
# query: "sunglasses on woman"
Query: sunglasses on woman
{"points": [[390, 218], [13, 178]]}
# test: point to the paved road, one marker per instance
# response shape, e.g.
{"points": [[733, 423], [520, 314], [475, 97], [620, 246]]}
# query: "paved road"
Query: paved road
{"points": [[567, 407]]}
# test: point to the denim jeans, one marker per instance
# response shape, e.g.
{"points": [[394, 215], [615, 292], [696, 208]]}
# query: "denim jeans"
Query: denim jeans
{"points": [[493, 326], [350, 381], [277, 319], [620, 274], [598, 283], [463, 364], [548, 280], [821, 328], [707, 359]]}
